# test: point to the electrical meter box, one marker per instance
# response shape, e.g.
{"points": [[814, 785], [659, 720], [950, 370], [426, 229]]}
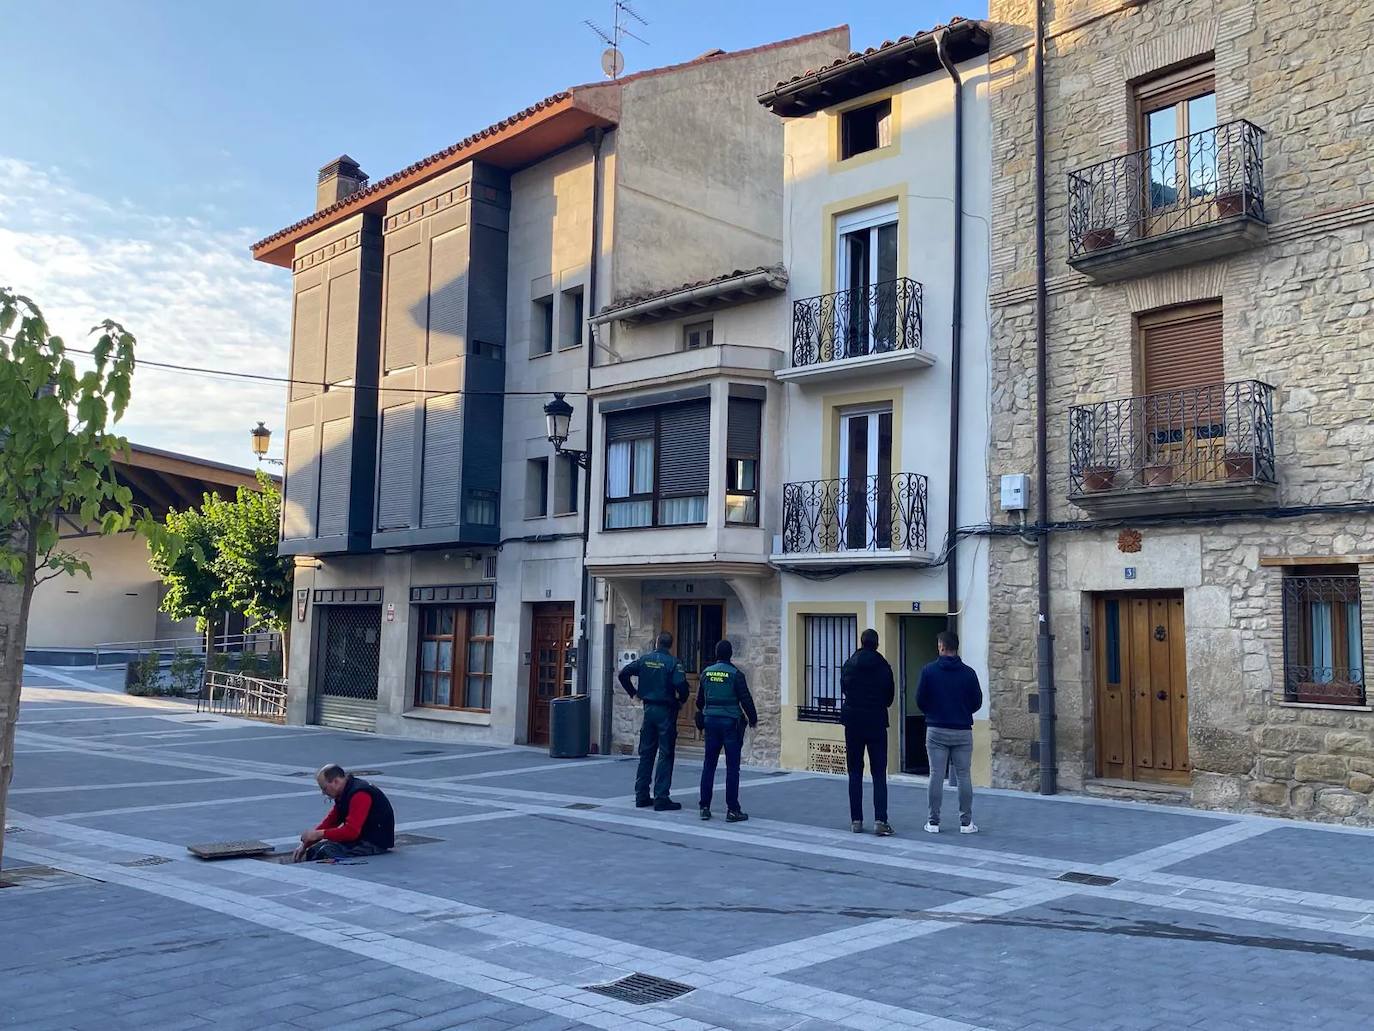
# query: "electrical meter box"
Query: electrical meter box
{"points": [[1015, 492]]}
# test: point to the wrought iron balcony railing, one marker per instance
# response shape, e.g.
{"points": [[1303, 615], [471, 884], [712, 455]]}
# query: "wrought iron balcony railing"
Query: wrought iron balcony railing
{"points": [[1323, 652], [860, 514], [877, 319], [1216, 434], [1183, 184]]}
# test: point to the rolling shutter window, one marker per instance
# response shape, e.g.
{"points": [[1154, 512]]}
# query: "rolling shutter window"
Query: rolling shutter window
{"points": [[341, 341], [684, 450], [336, 463], [302, 484], [448, 299], [1182, 351], [307, 344], [632, 425], [407, 310], [396, 477], [443, 468], [742, 427]]}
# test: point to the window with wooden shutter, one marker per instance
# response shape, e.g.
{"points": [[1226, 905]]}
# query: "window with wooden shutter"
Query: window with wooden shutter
{"points": [[443, 460], [341, 337], [684, 463], [1184, 407], [336, 465], [302, 484], [407, 306], [396, 468], [307, 343], [742, 433]]}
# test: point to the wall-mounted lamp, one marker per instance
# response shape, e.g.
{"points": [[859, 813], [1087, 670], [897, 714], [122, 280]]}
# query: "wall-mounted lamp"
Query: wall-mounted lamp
{"points": [[262, 440], [558, 415]]}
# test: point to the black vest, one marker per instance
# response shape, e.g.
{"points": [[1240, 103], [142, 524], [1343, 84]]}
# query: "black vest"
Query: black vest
{"points": [[380, 826]]}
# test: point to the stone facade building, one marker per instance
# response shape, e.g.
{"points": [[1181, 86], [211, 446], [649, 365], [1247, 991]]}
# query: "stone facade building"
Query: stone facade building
{"points": [[1209, 201]]}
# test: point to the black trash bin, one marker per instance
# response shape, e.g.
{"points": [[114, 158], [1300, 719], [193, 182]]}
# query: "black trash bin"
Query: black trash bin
{"points": [[570, 727]]}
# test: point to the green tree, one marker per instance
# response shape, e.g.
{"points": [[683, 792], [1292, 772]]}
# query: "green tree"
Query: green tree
{"points": [[57, 457], [223, 556]]}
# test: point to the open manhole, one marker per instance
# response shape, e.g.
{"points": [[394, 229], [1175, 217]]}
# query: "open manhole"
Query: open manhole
{"points": [[427, 751], [229, 849], [416, 839], [582, 805], [146, 861], [641, 989], [1076, 877]]}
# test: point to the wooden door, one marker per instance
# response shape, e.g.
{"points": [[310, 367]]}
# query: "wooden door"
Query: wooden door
{"points": [[551, 672], [696, 626], [1142, 695]]}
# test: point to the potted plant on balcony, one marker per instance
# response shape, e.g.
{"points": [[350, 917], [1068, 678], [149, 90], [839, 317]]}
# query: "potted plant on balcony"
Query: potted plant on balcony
{"points": [[1088, 450], [1094, 217], [1158, 474], [1230, 202]]}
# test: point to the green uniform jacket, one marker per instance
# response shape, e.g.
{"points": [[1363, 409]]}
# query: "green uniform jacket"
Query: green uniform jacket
{"points": [[723, 691], [661, 679]]}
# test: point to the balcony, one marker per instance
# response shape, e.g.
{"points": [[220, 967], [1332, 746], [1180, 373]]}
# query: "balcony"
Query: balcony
{"points": [[871, 521], [873, 330], [1176, 203], [1203, 449]]}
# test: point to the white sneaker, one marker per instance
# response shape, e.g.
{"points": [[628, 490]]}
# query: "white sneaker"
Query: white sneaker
{"points": [[932, 828], [968, 828]]}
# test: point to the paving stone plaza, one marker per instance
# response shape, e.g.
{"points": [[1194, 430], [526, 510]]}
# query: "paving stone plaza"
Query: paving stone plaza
{"points": [[532, 881]]}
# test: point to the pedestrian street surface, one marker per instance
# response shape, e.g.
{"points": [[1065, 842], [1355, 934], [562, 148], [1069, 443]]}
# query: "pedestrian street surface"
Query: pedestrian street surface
{"points": [[530, 882]]}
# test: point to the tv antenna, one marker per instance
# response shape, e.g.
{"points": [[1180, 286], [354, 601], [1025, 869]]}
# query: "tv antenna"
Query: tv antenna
{"points": [[613, 58]]}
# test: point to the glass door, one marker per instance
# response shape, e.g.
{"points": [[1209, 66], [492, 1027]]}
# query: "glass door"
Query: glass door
{"points": [[865, 502], [866, 273], [1178, 122]]}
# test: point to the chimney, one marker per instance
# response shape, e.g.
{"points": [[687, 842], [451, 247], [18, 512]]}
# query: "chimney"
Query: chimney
{"points": [[338, 179]]}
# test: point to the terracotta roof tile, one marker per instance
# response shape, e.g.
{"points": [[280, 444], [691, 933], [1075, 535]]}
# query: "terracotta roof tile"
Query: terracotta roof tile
{"points": [[627, 300], [381, 184], [858, 55]]}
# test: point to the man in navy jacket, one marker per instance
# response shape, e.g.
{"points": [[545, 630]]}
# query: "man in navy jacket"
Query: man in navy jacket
{"points": [[949, 695]]}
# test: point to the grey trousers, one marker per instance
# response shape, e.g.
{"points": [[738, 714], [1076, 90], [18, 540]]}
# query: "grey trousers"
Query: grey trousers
{"points": [[946, 747], [338, 850]]}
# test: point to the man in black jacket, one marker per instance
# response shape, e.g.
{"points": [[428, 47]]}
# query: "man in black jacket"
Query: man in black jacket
{"points": [[867, 690], [361, 823], [949, 695]]}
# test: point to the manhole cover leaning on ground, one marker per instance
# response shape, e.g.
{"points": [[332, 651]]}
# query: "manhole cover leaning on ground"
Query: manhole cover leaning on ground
{"points": [[641, 989], [229, 849]]}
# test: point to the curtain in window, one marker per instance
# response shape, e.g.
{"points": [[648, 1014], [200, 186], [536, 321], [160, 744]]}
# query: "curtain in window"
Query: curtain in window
{"points": [[1353, 646], [682, 511], [618, 469], [1322, 644], [643, 466]]}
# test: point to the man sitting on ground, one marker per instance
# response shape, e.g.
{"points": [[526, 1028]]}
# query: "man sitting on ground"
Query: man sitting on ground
{"points": [[361, 823]]}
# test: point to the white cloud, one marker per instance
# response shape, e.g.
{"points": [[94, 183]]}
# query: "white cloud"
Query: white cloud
{"points": [[188, 291]]}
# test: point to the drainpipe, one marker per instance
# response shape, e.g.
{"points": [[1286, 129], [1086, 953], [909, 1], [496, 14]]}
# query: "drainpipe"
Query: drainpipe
{"points": [[595, 136], [1044, 641], [956, 336]]}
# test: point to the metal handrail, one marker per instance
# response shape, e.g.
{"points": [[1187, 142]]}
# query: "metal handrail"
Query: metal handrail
{"points": [[1181, 184], [876, 319], [859, 514], [234, 694], [258, 641]]}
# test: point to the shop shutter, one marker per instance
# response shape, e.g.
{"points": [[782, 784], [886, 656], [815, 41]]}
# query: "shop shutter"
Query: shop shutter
{"points": [[684, 449], [336, 464], [396, 475], [443, 464]]}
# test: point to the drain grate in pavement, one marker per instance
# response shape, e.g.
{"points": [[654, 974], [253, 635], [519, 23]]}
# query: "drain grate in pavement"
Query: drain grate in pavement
{"points": [[427, 751], [1076, 877], [416, 839], [641, 989], [778, 773], [582, 805], [366, 773], [199, 721], [146, 861]]}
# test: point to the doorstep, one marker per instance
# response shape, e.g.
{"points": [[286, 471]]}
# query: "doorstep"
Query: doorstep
{"points": [[1138, 791]]}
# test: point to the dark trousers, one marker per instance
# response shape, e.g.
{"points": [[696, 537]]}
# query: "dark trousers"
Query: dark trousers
{"points": [[657, 737], [726, 733], [339, 850], [857, 740]]}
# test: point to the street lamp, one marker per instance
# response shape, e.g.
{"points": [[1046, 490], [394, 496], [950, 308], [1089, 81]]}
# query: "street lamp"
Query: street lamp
{"points": [[558, 415], [262, 439]]}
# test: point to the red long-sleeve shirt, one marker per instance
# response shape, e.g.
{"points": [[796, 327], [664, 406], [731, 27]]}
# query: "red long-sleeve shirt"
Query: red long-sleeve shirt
{"points": [[349, 831]]}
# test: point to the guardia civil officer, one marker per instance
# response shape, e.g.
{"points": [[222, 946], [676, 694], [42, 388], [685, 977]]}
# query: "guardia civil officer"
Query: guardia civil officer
{"points": [[723, 706], [661, 685]]}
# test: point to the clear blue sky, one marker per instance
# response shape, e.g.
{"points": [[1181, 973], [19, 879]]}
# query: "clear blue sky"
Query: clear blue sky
{"points": [[145, 145]]}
